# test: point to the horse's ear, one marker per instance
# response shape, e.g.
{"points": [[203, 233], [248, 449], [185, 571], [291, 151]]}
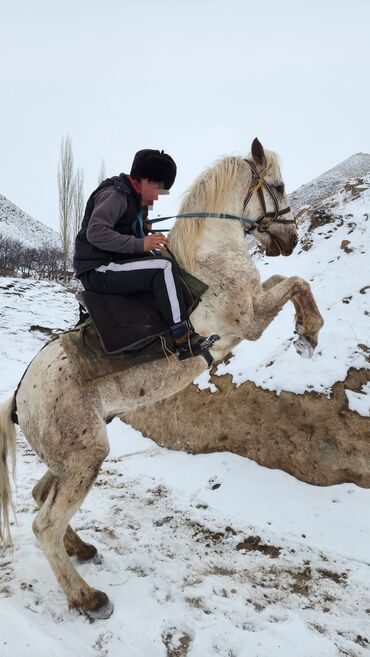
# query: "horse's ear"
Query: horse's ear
{"points": [[258, 153]]}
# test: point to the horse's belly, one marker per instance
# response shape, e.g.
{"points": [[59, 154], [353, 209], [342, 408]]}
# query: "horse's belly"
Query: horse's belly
{"points": [[50, 394]]}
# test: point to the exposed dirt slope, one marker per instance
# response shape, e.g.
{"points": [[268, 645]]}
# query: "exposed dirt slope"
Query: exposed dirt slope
{"points": [[310, 436]]}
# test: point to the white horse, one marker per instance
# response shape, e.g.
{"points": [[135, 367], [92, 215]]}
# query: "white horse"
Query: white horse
{"points": [[65, 422]]}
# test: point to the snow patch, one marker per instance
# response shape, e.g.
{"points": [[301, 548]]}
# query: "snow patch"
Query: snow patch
{"points": [[360, 401]]}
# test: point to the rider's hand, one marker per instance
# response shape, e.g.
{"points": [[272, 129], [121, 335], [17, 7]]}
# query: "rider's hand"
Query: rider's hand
{"points": [[155, 241]]}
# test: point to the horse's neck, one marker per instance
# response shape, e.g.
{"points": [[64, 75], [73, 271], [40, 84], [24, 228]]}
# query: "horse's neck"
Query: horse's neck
{"points": [[222, 253], [224, 263], [221, 242], [222, 260]]}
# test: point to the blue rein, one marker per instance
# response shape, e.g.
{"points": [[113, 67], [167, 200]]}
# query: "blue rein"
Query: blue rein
{"points": [[213, 215]]}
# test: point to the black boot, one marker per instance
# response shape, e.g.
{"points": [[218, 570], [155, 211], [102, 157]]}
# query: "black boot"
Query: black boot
{"points": [[191, 344]]}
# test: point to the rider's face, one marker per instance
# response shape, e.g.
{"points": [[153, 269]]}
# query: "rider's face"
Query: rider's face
{"points": [[150, 191]]}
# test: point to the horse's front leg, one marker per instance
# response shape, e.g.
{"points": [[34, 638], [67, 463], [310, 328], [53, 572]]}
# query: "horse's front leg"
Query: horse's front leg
{"points": [[276, 291], [274, 280]]}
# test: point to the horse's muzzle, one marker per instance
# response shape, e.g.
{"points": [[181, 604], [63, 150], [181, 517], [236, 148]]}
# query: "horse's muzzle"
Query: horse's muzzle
{"points": [[293, 244], [278, 247], [273, 249]]}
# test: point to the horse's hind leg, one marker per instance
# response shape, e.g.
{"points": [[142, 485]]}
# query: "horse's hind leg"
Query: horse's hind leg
{"points": [[74, 545], [65, 496]]}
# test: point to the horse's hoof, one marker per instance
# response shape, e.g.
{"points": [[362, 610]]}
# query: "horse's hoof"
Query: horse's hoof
{"points": [[299, 328], [82, 552], [103, 613], [98, 606], [97, 559], [87, 553], [304, 347]]}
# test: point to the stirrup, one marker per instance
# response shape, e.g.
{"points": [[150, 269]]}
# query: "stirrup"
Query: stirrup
{"points": [[198, 348]]}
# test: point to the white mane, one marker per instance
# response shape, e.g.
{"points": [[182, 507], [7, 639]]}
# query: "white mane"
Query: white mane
{"points": [[210, 192]]}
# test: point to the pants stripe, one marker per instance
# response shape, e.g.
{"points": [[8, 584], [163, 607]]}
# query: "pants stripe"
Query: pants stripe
{"points": [[166, 265]]}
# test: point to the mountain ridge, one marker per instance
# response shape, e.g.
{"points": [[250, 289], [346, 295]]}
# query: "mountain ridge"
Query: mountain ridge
{"points": [[18, 225], [326, 184]]}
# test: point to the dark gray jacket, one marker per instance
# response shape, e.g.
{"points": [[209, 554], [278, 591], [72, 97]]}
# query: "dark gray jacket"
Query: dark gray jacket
{"points": [[112, 228]]}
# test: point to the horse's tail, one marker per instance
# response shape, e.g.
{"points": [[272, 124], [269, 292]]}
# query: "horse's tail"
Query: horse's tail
{"points": [[7, 448]]}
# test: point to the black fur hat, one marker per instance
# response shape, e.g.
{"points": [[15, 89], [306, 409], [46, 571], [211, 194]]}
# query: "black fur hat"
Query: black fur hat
{"points": [[157, 166]]}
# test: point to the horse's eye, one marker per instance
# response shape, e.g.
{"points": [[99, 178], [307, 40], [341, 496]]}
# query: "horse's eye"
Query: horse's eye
{"points": [[280, 188]]}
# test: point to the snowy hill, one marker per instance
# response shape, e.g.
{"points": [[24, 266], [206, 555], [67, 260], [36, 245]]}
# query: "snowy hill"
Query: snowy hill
{"points": [[328, 183], [18, 225], [210, 554]]}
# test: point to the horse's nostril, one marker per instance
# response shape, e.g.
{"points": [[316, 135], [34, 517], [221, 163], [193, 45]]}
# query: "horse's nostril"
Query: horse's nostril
{"points": [[294, 241]]}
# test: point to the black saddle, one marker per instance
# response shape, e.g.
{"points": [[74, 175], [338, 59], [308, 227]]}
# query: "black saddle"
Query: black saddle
{"points": [[129, 322], [123, 322]]}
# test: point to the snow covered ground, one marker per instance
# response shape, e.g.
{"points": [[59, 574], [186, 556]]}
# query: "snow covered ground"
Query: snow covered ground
{"points": [[201, 555], [208, 555]]}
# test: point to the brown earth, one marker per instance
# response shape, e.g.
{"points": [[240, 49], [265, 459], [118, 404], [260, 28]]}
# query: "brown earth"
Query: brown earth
{"points": [[316, 439]]}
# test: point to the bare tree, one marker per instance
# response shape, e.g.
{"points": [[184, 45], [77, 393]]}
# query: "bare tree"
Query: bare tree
{"points": [[66, 193], [102, 173], [78, 202], [10, 255], [16, 258]]}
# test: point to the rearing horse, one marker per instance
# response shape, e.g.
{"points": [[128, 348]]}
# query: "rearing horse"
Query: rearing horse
{"points": [[65, 422]]}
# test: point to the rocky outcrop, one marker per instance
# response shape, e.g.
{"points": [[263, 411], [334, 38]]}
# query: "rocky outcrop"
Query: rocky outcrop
{"points": [[315, 438]]}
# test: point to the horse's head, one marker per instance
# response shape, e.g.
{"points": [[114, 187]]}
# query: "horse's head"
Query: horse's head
{"points": [[267, 205], [252, 190]]}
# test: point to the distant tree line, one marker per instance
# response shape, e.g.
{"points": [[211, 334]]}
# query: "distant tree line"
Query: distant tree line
{"points": [[17, 259]]}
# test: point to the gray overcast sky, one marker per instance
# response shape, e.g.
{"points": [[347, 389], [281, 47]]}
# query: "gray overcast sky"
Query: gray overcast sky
{"points": [[199, 79]]}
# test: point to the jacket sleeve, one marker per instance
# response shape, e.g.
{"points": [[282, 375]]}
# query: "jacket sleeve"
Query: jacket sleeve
{"points": [[109, 207]]}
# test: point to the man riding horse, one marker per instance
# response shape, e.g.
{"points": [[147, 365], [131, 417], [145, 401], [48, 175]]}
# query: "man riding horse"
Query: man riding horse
{"points": [[114, 252], [64, 421]]}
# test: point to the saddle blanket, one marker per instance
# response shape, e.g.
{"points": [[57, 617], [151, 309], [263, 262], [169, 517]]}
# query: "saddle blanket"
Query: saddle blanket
{"points": [[123, 331], [83, 348]]}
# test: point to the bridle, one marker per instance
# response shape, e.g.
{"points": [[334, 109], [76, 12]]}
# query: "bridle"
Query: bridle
{"points": [[258, 182]]}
